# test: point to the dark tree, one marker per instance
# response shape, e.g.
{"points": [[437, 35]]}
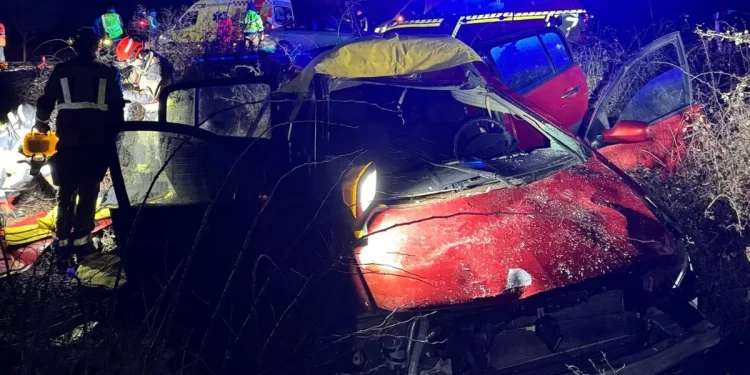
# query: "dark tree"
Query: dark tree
{"points": [[26, 19]]}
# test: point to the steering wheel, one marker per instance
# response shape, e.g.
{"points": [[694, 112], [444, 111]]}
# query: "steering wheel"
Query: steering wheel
{"points": [[483, 138]]}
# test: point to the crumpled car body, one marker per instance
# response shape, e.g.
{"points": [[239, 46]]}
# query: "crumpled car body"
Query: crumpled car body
{"points": [[484, 236], [576, 225], [547, 264]]}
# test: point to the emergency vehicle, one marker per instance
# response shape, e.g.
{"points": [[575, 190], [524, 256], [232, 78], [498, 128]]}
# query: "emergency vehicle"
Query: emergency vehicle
{"points": [[199, 21], [492, 16]]}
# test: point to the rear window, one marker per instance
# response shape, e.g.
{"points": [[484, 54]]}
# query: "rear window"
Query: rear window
{"points": [[283, 15], [525, 63]]}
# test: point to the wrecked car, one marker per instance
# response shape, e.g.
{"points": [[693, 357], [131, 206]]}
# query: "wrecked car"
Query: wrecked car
{"points": [[641, 118], [486, 237]]}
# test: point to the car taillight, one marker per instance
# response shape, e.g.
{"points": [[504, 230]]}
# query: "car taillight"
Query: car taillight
{"points": [[359, 189]]}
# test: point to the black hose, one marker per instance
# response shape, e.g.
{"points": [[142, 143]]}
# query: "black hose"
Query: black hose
{"points": [[424, 327]]}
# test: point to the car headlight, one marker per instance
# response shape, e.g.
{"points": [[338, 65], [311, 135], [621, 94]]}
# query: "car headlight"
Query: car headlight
{"points": [[359, 189]]}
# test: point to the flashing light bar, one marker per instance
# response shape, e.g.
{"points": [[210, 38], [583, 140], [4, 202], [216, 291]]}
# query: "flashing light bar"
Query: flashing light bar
{"points": [[479, 18]]}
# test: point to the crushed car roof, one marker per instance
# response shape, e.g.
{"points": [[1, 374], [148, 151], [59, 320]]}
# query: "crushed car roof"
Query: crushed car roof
{"points": [[376, 57]]}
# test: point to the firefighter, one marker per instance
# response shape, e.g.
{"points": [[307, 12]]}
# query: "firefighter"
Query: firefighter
{"points": [[3, 63], [110, 23], [88, 96], [149, 74], [253, 27]]}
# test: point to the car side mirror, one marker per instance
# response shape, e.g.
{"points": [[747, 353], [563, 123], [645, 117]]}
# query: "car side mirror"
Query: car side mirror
{"points": [[627, 131]]}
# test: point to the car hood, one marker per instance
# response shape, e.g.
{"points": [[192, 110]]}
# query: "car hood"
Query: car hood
{"points": [[510, 243]]}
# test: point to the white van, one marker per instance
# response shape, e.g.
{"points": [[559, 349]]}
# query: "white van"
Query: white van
{"points": [[199, 21]]}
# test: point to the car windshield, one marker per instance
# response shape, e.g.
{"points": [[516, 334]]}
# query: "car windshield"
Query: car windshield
{"points": [[429, 141]]}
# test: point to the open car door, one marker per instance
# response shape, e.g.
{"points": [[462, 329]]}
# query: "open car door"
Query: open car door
{"points": [[538, 64], [191, 193], [640, 121]]}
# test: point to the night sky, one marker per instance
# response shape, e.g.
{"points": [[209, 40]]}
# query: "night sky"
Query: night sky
{"points": [[60, 18]]}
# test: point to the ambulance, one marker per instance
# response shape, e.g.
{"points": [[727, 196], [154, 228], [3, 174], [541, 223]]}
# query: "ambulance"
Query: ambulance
{"points": [[199, 21]]}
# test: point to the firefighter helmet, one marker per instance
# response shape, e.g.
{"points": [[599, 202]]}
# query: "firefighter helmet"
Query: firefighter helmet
{"points": [[127, 48]]}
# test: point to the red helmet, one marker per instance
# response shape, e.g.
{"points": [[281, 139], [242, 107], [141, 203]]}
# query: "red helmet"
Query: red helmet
{"points": [[2, 28], [127, 48]]}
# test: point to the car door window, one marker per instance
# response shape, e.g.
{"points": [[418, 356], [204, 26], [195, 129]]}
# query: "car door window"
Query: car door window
{"points": [[651, 87], [184, 180], [555, 46], [232, 110], [524, 64]]}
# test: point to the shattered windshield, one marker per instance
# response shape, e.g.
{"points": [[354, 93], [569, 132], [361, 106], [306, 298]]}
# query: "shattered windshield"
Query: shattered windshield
{"points": [[430, 142]]}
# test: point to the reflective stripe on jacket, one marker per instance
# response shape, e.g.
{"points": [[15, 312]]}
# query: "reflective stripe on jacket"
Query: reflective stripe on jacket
{"points": [[112, 25], [253, 22], [153, 24], [88, 95]]}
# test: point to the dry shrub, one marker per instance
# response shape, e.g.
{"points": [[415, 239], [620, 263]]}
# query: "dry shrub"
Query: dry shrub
{"points": [[168, 43], [708, 194], [719, 157], [598, 54]]}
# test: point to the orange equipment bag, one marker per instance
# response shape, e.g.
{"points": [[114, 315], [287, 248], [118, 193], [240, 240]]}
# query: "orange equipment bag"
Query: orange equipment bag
{"points": [[39, 144]]}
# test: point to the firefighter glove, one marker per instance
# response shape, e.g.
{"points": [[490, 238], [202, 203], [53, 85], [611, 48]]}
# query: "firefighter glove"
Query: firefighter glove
{"points": [[41, 126]]}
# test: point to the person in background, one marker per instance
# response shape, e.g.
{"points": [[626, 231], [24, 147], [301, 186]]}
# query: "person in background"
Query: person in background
{"points": [[110, 23], [149, 74], [253, 27], [153, 23], [225, 33], [3, 42], [88, 96]]}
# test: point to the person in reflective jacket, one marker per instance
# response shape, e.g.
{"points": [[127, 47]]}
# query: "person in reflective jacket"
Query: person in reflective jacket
{"points": [[88, 97], [252, 27], [149, 74], [110, 23]]}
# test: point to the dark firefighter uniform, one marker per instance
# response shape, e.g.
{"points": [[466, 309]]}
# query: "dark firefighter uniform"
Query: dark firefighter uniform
{"points": [[88, 96]]}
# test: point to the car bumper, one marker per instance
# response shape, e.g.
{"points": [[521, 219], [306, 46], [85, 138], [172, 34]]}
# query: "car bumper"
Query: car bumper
{"points": [[663, 356]]}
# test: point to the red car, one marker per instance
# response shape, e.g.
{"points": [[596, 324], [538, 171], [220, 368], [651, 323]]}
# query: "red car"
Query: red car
{"points": [[488, 238], [642, 116]]}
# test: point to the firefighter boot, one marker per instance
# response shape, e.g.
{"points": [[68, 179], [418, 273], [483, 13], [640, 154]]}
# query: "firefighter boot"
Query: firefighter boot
{"points": [[62, 252]]}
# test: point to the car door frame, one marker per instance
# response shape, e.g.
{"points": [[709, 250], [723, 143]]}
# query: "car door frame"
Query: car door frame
{"points": [[671, 38], [484, 48], [269, 80], [570, 123], [118, 181]]}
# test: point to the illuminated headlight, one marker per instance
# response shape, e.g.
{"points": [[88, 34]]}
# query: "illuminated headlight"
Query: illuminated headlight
{"points": [[107, 42], [360, 188], [379, 30], [367, 190]]}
